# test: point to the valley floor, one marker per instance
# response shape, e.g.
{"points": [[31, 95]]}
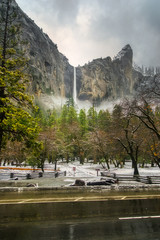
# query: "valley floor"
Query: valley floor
{"points": [[87, 172]]}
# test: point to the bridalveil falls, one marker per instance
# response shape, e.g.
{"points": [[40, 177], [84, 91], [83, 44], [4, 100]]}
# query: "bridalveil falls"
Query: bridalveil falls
{"points": [[74, 87]]}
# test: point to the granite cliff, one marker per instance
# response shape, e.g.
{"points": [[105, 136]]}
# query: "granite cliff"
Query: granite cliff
{"points": [[49, 70], [108, 79], [51, 74]]}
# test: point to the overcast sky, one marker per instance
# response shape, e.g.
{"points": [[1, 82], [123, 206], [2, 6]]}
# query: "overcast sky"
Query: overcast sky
{"points": [[89, 29]]}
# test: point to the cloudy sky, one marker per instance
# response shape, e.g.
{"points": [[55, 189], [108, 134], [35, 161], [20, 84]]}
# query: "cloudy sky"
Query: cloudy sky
{"points": [[89, 29]]}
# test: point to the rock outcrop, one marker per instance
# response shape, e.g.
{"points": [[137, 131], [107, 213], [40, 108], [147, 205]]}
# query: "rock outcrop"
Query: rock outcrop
{"points": [[107, 79]]}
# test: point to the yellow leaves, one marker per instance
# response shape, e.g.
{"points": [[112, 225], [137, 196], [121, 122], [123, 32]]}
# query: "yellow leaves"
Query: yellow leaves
{"points": [[11, 51], [4, 100], [155, 150]]}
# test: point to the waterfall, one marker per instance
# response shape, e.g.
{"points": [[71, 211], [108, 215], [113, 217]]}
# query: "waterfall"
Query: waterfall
{"points": [[75, 87]]}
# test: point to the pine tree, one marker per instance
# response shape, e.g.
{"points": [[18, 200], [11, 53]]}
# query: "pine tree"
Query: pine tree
{"points": [[83, 121], [16, 121], [72, 115], [92, 118], [104, 120]]}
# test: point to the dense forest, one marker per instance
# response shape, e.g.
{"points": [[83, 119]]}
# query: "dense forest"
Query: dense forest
{"points": [[131, 131], [31, 135]]}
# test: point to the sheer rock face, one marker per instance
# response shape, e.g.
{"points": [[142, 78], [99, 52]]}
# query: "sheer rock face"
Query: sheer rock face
{"points": [[52, 74], [107, 79], [49, 70]]}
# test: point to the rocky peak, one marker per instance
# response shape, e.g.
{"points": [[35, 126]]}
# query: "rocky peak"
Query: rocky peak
{"points": [[126, 52], [125, 58]]}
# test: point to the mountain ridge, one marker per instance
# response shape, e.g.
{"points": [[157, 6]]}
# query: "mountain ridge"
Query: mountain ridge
{"points": [[51, 73]]}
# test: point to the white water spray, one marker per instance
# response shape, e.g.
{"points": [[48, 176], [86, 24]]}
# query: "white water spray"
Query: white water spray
{"points": [[51, 101], [75, 87]]}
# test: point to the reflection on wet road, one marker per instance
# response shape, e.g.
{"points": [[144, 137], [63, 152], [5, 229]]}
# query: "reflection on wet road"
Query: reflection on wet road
{"points": [[98, 229]]}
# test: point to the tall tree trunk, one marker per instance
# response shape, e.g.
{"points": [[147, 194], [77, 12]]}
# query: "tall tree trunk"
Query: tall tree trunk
{"points": [[157, 161], [42, 165], [1, 137], [134, 162], [55, 165], [106, 160], [81, 159]]}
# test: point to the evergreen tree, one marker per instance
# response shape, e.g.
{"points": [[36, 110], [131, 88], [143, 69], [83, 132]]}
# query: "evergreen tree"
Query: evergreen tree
{"points": [[92, 118], [70, 102], [104, 120], [72, 115], [63, 116], [16, 121], [83, 121]]}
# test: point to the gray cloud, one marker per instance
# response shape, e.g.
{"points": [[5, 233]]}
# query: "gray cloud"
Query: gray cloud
{"points": [[60, 10], [151, 9], [86, 29]]}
